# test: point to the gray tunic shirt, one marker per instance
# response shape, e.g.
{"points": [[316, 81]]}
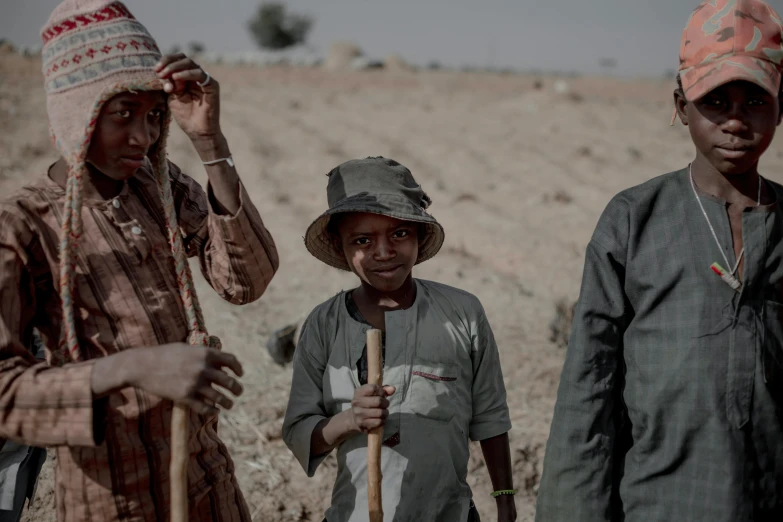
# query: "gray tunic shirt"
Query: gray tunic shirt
{"points": [[442, 357], [670, 404]]}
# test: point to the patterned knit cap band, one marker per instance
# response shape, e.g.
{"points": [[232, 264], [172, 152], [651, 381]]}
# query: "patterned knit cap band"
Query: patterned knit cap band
{"points": [[91, 47]]}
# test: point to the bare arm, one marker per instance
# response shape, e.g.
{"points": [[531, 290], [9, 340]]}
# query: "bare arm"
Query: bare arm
{"points": [[369, 409], [223, 178], [196, 108], [331, 432], [497, 456]]}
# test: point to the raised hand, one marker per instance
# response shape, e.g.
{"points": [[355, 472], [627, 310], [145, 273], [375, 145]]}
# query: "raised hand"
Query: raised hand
{"points": [[194, 96]]}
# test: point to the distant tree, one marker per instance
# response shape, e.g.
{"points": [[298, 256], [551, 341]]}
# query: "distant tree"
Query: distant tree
{"points": [[607, 64], [196, 48], [274, 28]]}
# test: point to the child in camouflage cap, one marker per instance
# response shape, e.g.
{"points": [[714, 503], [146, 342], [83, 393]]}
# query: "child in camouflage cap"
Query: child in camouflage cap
{"points": [[670, 404], [443, 382]]}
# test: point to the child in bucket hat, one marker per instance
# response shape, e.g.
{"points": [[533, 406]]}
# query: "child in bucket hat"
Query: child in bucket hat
{"points": [[670, 397], [95, 257], [443, 381]]}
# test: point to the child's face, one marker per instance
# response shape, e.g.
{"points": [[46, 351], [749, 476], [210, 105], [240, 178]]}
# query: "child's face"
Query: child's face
{"points": [[379, 249], [731, 126], [128, 126]]}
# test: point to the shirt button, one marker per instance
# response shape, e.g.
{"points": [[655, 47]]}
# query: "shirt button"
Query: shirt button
{"points": [[116, 203], [136, 230]]}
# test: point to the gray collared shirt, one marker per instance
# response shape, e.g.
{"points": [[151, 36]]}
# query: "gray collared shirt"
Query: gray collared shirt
{"points": [[670, 404], [442, 357]]}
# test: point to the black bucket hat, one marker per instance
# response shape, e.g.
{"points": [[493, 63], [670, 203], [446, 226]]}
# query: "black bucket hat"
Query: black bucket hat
{"points": [[374, 185]]}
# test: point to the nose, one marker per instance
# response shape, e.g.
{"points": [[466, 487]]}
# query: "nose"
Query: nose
{"points": [[384, 250], [735, 120], [143, 134]]}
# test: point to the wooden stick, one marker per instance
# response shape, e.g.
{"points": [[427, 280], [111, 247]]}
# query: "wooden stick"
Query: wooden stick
{"points": [[178, 468], [374, 376]]}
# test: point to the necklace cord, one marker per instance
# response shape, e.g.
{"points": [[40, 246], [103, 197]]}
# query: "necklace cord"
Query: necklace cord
{"points": [[707, 218]]}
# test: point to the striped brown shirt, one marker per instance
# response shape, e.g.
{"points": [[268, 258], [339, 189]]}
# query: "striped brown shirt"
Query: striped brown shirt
{"points": [[113, 453]]}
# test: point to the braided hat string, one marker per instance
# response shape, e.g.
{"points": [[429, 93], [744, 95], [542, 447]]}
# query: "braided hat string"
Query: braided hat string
{"points": [[196, 327], [71, 233]]}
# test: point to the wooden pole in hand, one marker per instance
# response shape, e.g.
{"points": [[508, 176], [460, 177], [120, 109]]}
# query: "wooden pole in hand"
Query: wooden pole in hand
{"points": [[178, 468], [374, 376]]}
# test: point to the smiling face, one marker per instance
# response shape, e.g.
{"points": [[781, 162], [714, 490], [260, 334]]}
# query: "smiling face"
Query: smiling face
{"points": [[731, 126], [380, 250], [128, 126]]}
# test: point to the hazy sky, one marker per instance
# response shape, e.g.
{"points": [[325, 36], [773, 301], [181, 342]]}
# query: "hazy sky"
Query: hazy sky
{"points": [[642, 35]]}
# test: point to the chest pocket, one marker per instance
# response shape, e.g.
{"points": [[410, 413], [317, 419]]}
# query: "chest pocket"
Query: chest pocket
{"points": [[772, 355], [432, 392]]}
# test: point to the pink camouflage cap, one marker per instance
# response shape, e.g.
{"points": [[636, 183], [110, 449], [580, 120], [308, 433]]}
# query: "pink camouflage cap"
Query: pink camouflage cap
{"points": [[729, 40]]}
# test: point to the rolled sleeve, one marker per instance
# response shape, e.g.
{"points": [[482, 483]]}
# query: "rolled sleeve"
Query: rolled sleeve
{"points": [[237, 254], [305, 403], [490, 409], [298, 441]]}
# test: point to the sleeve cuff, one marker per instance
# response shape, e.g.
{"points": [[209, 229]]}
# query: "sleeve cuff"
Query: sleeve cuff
{"points": [[82, 416], [215, 210], [487, 430], [300, 444]]}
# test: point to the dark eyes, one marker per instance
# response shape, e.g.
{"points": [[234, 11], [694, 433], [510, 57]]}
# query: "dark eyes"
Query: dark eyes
{"points": [[719, 102], [398, 234], [156, 114]]}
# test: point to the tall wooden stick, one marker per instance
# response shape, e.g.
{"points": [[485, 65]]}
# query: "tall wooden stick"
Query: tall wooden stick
{"points": [[178, 467], [374, 376]]}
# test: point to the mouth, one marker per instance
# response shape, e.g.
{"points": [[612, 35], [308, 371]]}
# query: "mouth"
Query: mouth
{"points": [[387, 272], [732, 151], [134, 161]]}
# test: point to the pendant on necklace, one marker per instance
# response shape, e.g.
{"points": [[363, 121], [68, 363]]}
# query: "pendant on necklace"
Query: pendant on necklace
{"points": [[727, 277]]}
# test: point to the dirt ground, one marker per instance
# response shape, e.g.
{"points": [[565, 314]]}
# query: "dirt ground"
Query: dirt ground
{"points": [[518, 174]]}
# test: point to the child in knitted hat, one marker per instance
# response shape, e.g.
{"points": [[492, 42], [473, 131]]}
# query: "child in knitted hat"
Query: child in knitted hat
{"points": [[670, 404], [444, 385], [95, 256]]}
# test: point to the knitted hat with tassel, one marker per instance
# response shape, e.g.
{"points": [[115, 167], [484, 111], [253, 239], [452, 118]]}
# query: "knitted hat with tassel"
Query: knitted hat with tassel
{"points": [[92, 51]]}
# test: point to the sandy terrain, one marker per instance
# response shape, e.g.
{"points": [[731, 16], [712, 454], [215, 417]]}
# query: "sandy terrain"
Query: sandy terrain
{"points": [[518, 177]]}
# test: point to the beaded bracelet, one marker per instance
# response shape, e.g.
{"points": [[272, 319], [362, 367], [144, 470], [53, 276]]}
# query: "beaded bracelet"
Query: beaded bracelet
{"points": [[499, 492]]}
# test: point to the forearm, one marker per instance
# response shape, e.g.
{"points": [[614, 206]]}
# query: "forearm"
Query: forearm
{"points": [[329, 433], [497, 457], [223, 178], [111, 373]]}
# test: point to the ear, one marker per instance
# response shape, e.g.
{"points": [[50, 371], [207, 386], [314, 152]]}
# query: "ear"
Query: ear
{"points": [[681, 105]]}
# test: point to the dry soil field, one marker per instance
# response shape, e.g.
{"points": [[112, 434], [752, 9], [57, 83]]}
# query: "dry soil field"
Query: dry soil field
{"points": [[518, 175]]}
